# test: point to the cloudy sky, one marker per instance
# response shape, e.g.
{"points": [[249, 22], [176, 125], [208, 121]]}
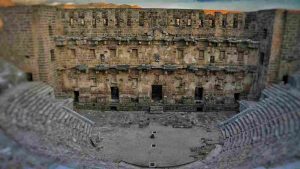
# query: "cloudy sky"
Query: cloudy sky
{"points": [[245, 5]]}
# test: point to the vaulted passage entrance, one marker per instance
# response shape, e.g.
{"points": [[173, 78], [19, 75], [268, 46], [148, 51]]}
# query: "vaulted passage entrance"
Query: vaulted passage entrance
{"points": [[198, 93], [114, 93], [156, 92]]}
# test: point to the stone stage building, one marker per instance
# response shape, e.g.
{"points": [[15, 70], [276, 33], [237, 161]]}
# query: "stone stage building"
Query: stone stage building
{"points": [[158, 59]]}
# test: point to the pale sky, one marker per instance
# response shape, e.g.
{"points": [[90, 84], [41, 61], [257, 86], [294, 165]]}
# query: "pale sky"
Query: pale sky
{"points": [[243, 5]]}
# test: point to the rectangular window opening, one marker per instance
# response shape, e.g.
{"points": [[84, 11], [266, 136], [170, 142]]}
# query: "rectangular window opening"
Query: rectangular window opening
{"points": [[201, 54], [92, 53], [113, 53], [240, 56], [212, 59], [134, 53]]}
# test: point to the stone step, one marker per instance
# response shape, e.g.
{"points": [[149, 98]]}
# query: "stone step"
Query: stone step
{"points": [[156, 109]]}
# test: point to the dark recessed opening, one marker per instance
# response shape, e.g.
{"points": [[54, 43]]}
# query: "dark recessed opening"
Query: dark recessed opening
{"points": [[76, 96], [200, 109], [153, 132], [113, 108], [236, 96], [198, 93], [153, 145], [156, 92], [152, 164], [285, 79], [114, 93], [29, 77], [265, 33], [262, 58], [52, 55], [152, 136], [212, 59]]}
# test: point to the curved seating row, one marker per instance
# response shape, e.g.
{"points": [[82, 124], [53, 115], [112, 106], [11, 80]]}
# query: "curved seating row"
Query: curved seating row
{"points": [[262, 133], [31, 106]]}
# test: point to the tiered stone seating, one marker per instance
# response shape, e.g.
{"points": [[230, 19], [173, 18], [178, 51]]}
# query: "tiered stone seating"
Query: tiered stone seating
{"points": [[263, 132], [31, 107]]}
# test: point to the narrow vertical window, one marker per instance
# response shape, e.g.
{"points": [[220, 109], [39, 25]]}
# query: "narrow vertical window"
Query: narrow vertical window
{"points": [[71, 18], [113, 53], [94, 22], [189, 22], [201, 20], [265, 33], [105, 22], [117, 19], [102, 58], [82, 21], [71, 21], [224, 21], [262, 58], [235, 21], [222, 55], [212, 59], [134, 53], [177, 22], [50, 30], [105, 18], [240, 56], [141, 18], [52, 55], [180, 53], [129, 19], [73, 53], [92, 53], [201, 55], [212, 23]]}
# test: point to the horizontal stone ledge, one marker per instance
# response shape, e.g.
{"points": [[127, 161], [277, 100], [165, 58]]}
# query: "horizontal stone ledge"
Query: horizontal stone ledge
{"points": [[168, 67], [61, 41]]}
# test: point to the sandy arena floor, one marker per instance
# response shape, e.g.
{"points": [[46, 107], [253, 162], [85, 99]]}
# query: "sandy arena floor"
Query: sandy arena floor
{"points": [[170, 147]]}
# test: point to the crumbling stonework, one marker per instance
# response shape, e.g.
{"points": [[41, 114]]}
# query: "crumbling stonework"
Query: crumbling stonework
{"points": [[132, 59]]}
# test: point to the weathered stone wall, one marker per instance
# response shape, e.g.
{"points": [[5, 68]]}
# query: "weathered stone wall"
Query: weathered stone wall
{"points": [[44, 23], [16, 38], [88, 51], [290, 50], [135, 49], [26, 40], [95, 22]]}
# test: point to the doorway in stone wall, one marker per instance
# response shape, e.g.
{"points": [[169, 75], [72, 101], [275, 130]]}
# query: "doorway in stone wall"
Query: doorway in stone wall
{"points": [[198, 93], [29, 77], [114, 93], [76, 96], [156, 92], [285, 79], [236, 97]]}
